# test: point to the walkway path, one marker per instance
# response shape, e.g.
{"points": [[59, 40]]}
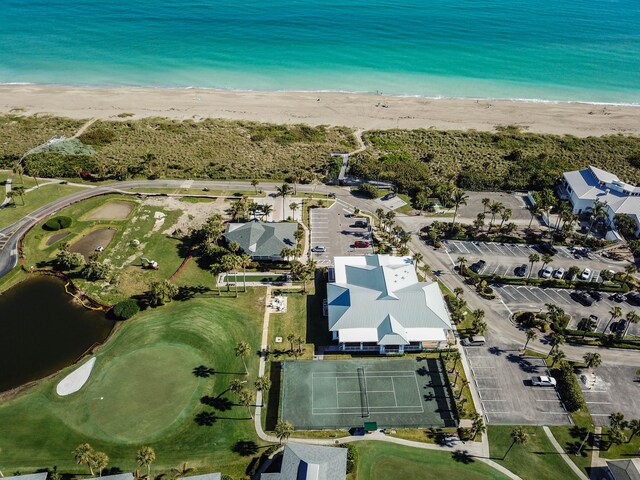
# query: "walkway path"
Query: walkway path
{"points": [[84, 127], [564, 456]]}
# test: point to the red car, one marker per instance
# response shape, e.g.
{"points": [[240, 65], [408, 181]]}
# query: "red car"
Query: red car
{"points": [[361, 244]]}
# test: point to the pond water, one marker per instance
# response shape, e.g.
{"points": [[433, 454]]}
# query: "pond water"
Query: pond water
{"points": [[43, 330]]}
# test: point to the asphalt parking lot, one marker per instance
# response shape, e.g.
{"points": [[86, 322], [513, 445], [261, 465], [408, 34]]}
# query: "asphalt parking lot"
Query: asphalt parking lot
{"points": [[503, 380], [612, 389], [334, 229], [391, 203], [520, 297]]}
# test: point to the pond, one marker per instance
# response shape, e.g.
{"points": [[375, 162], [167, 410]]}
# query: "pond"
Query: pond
{"points": [[43, 330]]}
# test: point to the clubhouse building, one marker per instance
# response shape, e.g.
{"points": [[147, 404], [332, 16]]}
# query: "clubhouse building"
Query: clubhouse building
{"points": [[376, 303], [584, 187], [262, 240], [310, 462]]}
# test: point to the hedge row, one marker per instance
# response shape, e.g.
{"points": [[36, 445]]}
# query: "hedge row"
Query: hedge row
{"points": [[613, 287], [57, 223], [568, 387]]}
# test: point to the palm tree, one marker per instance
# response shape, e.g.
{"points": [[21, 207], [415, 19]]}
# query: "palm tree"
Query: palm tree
{"points": [[20, 192], [242, 350], [598, 210], [634, 426], [262, 383], [518, 436], [615, 312], [616, 437], [533, 258], [458, 198], [293, 206], [455, 356], [227, 264], [83, 455], [19, 171], [534, 210], [478, 314], [144, 458], [100, 461], [494, 208], [617, 421], [478, 425], [236, 385], [546, 258], [557, 339], [458, 291], [632, 317], [182, 471], [254, 184], [592, 360], [246, 399], [417, 258], [485, 204], [479, 325], [461, 262], [558, 356], [245, 261], [531, 335], [505, 215], [11, 195], [267, 209], [216, 269], [283, 191], [629, 270], [283, 430]]}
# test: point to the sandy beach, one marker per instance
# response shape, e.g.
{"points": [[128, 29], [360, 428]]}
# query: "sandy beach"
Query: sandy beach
{"points": [[361, 111]]}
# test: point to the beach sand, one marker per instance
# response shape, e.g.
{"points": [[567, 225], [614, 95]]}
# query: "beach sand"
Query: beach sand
{"points": [[360, 111]]}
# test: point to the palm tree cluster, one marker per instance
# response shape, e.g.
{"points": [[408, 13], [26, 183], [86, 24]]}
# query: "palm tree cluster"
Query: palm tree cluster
{"points": [[296, 342], [84, 454], [283, 430], [391, 233], [245, 397], [617, 426]]}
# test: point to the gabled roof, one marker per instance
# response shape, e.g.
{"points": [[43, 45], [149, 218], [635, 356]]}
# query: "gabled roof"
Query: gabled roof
{"points": [[118, 476], [29, 476], [205, 476], [628, 469], [382, 293], [261, 239], [311, 462]]}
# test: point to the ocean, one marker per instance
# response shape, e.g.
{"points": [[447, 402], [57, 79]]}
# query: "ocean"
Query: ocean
{"points": [[546, 50]]}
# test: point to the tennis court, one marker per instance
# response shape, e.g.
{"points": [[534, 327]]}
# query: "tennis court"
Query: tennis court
{"points": [[346, 393]]}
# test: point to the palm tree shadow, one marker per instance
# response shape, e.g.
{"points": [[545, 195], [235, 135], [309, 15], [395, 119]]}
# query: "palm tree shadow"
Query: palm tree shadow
{"points": [[202, 371], [218, 403], [245, 448], [205, 419], [462, 456]]}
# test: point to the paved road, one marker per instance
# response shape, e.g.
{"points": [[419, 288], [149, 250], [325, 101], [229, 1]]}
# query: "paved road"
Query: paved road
{"points": [[501, 330]]}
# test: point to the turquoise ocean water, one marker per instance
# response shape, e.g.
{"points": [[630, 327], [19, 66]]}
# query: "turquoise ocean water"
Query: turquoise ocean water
{"points": [[565, 50]]}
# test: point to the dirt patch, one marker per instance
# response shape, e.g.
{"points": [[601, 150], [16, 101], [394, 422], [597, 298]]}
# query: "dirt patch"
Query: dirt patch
{"points": [[193, 214], [54, 238], [111, 211], [88, 243]]}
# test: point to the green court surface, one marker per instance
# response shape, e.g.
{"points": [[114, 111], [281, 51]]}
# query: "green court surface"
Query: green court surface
{"points": [[347, 393]]}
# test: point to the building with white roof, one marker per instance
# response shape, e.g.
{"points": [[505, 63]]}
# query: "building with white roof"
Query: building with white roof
{"points": [[584, 187], [377, 303]]}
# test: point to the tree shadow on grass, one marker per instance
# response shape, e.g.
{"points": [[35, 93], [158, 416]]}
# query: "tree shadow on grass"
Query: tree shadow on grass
{"points": [[187, 293], [205, 419], [245, 448], [218, 403], [202, 371], [462, 456]]}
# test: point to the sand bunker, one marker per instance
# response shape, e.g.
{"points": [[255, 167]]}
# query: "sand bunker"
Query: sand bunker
{"points": [[97, 238], [111, 211], [76, 379], [54, 238]]}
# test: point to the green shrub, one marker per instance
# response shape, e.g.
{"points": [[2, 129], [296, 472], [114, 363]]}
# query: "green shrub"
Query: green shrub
{"points": [[126, 309], [352, 456], [367, 190], [568, 387], [57, 223]]}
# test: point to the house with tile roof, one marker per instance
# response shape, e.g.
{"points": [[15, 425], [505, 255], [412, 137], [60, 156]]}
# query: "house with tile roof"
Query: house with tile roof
{"points": [[584, 187], [377, 303], [262, 240], [311, 462]]}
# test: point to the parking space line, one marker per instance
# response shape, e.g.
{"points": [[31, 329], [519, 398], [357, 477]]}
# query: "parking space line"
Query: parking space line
{"points": [[504, 290], [598, 403]]}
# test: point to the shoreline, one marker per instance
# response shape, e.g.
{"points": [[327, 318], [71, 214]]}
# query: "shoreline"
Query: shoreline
{"points": [[362, 111]]}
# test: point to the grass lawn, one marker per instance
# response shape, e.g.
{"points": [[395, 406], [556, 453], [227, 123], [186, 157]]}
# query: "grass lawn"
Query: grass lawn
{"points": [[380, 460], [294, 320], [132, 278], [3, 178], [624, 450], [571, 438], [143, 391], [536, 460], [34, 200]]}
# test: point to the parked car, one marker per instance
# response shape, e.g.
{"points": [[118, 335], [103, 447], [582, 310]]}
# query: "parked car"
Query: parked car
{"points": [[473, 341], [596, 295], [582, 297], [361, 223], [478, 266], [543, 381], [633, 298], [586, 273], [389, 196], [547, 248], [546, 272], [319, 249], [361, 244], [522, 270], [559, 273], [617, 297]]}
